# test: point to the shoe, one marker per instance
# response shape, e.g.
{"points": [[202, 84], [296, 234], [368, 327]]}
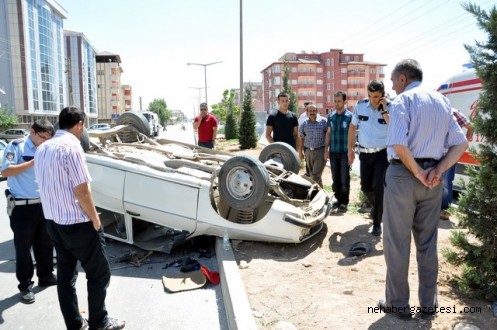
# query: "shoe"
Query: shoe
{"points": [[427, 316], [113, 324], [342, 208], [376, 231], [444, 215], [27, 297], [48, 281], [389, 310], [85, 325]]}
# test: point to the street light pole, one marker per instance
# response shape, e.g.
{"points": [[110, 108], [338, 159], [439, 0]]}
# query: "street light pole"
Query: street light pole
{"points": [[205, 74], [199, 98]]}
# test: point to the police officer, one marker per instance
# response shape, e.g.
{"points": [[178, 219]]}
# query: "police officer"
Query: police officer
{"points": [[372, 116], [25, 211]]}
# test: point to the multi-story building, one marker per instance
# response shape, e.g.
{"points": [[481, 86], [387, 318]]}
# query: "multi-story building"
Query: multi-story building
{"points": [[109, 91], [32, 62], [127, 97], [81, 74], [257, 95], [317, 76]]}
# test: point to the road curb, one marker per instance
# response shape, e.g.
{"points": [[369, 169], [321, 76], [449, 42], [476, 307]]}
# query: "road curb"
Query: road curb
{"points": [[238, 311]]}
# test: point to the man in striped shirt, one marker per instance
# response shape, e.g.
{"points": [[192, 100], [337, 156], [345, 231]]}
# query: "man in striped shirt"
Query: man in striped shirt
{"points": [[73, 222], [421, 128]]}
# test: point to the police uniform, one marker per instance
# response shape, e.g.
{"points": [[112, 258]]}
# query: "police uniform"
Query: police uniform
{"points": [[372, 140], [26, 217]]}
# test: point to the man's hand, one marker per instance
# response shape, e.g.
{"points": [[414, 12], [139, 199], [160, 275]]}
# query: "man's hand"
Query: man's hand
{"points": [[351, 154], [326, 154]]}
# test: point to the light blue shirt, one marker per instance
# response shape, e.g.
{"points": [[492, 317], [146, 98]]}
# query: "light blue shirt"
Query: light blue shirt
{"points": [[22, 185], [422, 121], [372, 126]]}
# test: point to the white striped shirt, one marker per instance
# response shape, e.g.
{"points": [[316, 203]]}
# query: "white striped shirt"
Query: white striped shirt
{"points": [[60, 165], [422, 120]]}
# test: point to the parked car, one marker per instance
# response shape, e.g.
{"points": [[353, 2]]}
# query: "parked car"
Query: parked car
{"points": [[157, 193], [13, 133], [99, 127]]}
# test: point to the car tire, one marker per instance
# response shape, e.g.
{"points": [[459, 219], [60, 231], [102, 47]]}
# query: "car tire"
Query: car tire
{"points": [[243, 182], [289, 156], [84, 139], [137, 120]]}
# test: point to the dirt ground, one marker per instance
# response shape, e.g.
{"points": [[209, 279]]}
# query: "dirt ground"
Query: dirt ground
{"points": [[316, 285]]}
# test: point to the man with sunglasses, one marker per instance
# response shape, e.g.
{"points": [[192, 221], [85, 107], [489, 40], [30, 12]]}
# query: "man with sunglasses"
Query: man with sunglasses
{"points": [[25, 211], [206, 124]]}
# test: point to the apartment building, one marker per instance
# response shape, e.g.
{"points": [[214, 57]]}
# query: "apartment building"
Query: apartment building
{"points": [[109, 89], [32, 62], [317, 76], [127, 97], [257, 95], [81, 74]]}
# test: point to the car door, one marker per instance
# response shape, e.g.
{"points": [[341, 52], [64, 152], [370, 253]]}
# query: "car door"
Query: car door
{"points": [[165, 201]]}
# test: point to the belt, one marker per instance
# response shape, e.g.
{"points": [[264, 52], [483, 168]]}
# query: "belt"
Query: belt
{"points": [[317, 148], [424, 163], [370, 150], [27, 201]]}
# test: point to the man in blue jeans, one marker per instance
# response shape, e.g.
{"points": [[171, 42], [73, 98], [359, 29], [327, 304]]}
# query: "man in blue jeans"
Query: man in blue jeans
{"points": [[336, 147], [449, 176]]}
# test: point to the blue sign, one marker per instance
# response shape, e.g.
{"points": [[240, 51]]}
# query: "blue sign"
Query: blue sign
{"points": [[115, 116]]}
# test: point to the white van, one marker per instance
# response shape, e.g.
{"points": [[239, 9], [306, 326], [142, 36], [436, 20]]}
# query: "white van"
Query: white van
{"points": [[463, 90], [153, 120]]}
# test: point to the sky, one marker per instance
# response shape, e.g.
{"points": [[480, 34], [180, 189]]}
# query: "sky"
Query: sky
{"points": [[157, 38]]}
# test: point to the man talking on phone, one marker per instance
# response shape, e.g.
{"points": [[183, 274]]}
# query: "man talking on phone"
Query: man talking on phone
{"points": [[371, 116]]}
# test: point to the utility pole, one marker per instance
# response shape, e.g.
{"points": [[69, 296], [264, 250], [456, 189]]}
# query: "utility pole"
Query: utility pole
{"points": [[241, 57]]}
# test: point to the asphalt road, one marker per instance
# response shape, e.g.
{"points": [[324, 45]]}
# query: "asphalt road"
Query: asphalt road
{"points": [[136, 294]]}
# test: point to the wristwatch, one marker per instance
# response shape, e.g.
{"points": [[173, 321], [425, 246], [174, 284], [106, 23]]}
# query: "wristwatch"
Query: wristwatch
{"points": [[383, 112]]}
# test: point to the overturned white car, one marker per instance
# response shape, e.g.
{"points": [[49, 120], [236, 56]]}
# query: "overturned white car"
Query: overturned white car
{"points": [[157, 193]]}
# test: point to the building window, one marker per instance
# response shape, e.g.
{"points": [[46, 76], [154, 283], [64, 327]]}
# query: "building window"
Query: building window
{"points": [[319, 70], [356, 58], [327, 62], [328, 74], [373, 71], [277, 80], [343, 70], [328, 86], [347, 58], [294, 82], [328, 99], [320, 93], [276, 68], [319, 105], [294, 69], [344, 82], [319, 82]]}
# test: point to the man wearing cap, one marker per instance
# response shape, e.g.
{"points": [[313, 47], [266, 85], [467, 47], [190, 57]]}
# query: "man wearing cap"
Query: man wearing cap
{"points": [[25, 211], [311, 136]]}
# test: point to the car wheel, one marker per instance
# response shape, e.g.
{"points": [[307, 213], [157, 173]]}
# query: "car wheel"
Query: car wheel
{"points": [[137, 120], [84, 139], [243, 182], [287, 155]]}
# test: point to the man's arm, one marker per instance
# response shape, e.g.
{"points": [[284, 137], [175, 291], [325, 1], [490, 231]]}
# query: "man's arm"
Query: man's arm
{"points": [[196, 123], [300, 144], [16, 169], [469, 132], [85, 199], [214, 133], [327, 143], [269, 131], [351, 143], [296, 133], [452, 156]]}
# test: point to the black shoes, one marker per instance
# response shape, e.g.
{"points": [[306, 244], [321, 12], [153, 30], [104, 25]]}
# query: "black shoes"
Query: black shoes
{"points": [[376, 231], [27, 297], [342, 208], [48, 281], [400, 313]]}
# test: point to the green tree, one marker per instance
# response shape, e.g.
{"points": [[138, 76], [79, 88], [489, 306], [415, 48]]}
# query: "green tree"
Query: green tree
{"points": [[248, 136], [293, 107], [7, 119], [477, 247], [159, 106], [227, 111]]}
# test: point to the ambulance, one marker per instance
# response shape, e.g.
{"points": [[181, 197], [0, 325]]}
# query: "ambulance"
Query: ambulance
{"points": [[463, 90]]}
